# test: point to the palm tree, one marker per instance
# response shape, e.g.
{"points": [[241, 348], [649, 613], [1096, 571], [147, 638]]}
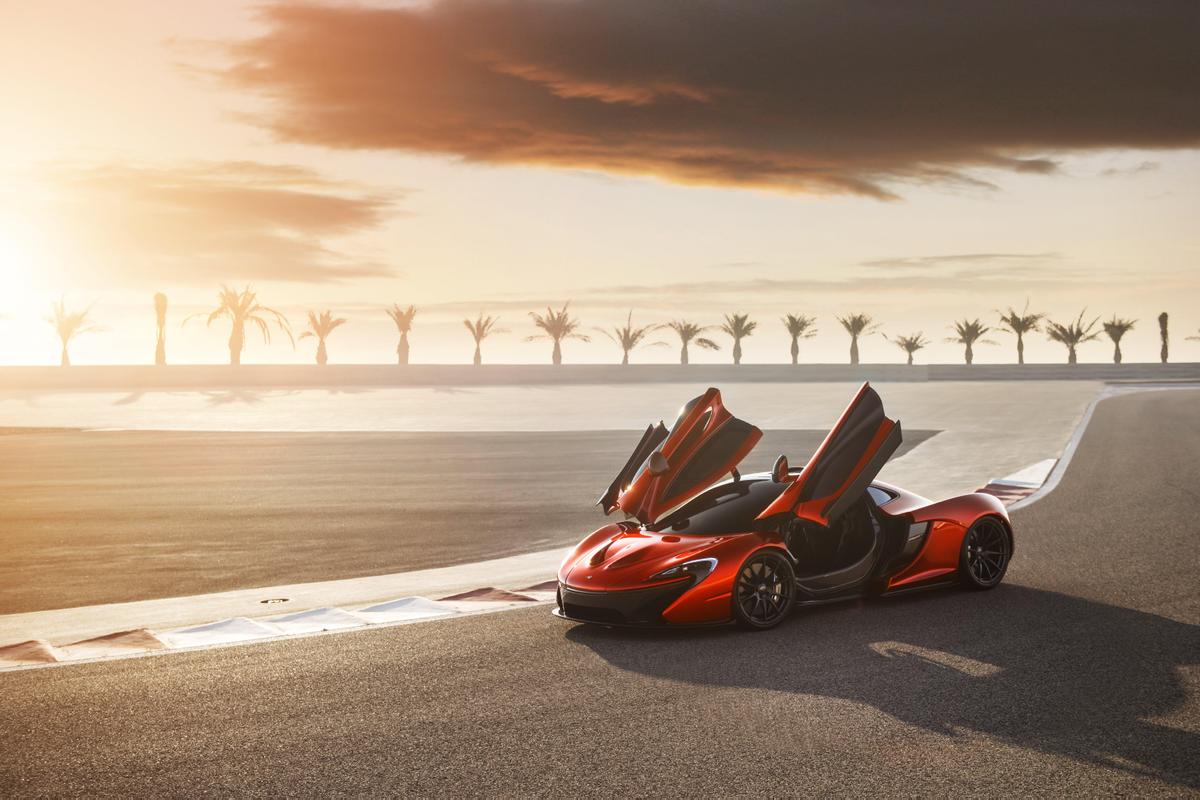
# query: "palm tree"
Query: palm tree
{"points": [[856, 325], [1021, 323], [319, 328], [68, 325], [480, 329], [1117, 328], [910, 344], [629, 337], [799, 327], [242, 308], [687, 331], [556, 326], [967, 332], [738, 327], [1162, 334], [160, 315], [1072, 334], [403, 317]]}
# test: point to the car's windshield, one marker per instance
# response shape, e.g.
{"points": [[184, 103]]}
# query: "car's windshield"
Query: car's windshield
{"points": [[729, 507]]}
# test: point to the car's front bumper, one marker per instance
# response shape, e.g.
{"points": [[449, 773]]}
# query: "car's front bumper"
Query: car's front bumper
{"points": [[632, 607]]}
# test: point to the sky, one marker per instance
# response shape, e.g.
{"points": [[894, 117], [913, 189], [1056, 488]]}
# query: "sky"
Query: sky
{"points": [[920, 163]]}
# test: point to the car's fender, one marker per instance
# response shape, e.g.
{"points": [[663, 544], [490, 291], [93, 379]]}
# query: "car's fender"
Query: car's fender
{"points": [[711, 600]]}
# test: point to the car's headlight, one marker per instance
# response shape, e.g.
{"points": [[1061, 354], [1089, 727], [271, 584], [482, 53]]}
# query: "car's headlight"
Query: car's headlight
{"points": [[698, 568]]}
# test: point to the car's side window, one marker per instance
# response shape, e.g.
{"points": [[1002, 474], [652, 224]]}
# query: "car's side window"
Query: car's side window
{"points": [[880, 496]]}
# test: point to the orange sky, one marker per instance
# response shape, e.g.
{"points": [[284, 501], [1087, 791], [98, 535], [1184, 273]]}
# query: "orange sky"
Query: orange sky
{"points": [[472, 159]]}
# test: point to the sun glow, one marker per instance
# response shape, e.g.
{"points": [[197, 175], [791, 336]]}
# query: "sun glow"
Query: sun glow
{"points": [[22, 301], [19, 269], [18, 262]]}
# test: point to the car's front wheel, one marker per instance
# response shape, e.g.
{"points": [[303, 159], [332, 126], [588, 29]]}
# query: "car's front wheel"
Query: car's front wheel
{"points": [[986, 549], [764, 591]]}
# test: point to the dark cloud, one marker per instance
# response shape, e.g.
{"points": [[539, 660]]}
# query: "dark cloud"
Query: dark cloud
{"points": [[201, 223], [850, 96]]}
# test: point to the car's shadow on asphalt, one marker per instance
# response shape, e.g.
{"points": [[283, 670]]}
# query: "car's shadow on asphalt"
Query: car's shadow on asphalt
{"points": [[1037, 669]]}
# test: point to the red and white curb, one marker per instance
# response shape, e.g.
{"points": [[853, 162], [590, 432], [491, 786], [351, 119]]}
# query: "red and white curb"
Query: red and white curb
{"points": [[35, 653], [1013, 488]]}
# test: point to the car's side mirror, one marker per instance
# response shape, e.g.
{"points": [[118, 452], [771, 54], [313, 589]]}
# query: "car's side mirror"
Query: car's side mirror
{"points": [[658, 464], [779, 472]]}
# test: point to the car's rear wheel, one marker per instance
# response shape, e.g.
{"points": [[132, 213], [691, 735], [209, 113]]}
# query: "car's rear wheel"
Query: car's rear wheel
{"points": [[764, 591], [986, 550]]}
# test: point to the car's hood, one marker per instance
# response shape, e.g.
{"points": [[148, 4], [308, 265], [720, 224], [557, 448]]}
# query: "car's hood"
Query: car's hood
{"points": [[627, 557]]}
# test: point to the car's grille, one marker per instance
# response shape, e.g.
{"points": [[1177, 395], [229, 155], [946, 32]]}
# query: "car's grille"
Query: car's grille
{"points": [[609, 616], [625, 607]]}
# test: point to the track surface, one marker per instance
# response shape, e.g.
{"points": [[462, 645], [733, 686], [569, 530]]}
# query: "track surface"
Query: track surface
{"points": [[1078, 676], [110, 517]]}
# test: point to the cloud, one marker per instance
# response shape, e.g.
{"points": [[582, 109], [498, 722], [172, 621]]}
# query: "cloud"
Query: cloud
{"points": [[1007, 262], [1136, 169], [773, 293], [201, 223], [854, 97]]}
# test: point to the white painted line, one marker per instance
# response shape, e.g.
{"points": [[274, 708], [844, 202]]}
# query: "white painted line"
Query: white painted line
{"points": [[1064, 460], [1030, 477], [48, 656]]}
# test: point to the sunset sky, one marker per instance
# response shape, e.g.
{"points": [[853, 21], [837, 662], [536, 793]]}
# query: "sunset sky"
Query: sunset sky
{"points": [[917, 162]]}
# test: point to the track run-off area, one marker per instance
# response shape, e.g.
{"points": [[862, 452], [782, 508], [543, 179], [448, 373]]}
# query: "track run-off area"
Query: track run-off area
{"points": [[1079, 675]]}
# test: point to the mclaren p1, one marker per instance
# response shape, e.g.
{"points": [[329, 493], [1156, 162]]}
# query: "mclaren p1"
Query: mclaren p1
{"points": [[703, 544]]}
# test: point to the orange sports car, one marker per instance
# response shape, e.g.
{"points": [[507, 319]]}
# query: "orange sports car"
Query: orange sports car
{"points": [[703, 544]]}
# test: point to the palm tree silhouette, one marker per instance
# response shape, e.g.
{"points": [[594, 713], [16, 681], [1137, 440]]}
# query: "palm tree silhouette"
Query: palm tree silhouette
{"points": [[160, 315], [68, 325], [688, 331], [403, 317], [1116, 329], [480, 329], [1020, 323], [1162, 334], [910, 344], [556, 326], [738, 327], [856, 325], [799, 327], [1072, 334], [319, 328], [629, 338], [242, 308], [967, 332]]}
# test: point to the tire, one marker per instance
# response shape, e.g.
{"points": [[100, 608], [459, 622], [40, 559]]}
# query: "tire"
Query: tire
{"points": [[764, 590], [985, 553]]}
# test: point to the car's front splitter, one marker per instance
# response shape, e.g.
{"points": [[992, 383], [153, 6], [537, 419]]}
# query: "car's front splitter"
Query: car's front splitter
{"points": [[628, 607]]}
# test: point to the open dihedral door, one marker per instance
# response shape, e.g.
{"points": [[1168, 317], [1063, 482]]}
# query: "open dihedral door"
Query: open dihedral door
{"points": [[844, 465], [650, 439], [705, 443]]}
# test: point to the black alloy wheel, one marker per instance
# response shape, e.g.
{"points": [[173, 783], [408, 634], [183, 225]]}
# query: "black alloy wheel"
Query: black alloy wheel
{"points": [[764, 591], [986, 550]]}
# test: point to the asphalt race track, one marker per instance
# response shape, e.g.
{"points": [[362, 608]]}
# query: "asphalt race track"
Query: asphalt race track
{"points": [[1079, 676], [171, 513]]}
